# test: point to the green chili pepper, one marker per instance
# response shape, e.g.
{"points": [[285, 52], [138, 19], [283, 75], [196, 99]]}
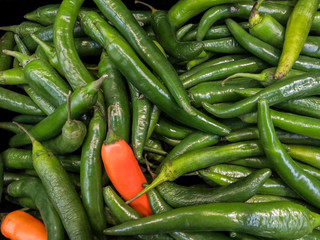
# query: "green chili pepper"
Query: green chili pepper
{"points": [[151, 86], [91, 171], [34, 189], [9, 126], [293, 87], [21, 47], [43, 78], [154, 117], [18, 102], [297, 30], [169, 129], [82, 100], [61, 192], [289, 122], [217, 72], [42, 103], [214, 92], [181, 196], [23, 29], [115, 93], [28, 119], [9, 177], [141, 112], [159, 205], [252, 133], [303, 183], [272, 220], [6, 42], [12, 76]]}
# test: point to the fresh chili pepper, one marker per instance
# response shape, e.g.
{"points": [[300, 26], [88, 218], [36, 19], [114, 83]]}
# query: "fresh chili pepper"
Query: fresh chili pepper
{"points": [[272, 220], [289, 122], [151, 86], [9, 177], [91, 171], [141, 112], [213, 62], [34, 189], [122, 19], [18, 102], [199, 60], [217, 72], [115, 94], [214, 32], [181, 32], [201, 158], [265, 51], [82, 101], [214, 92], [6, 42], [23, 202], [61, 192], [308, 106], [21, 225], [184, 10], [21, 47], [272, 186], [297, 30], [303, 183], [252, 133], [43, 78], [293, 87], [72, 135], [229, 170], [159, 205], [226, 45], [169, 129], [46, 34], [154, 117], [124, 171], [42, 103], [12, 76], [170, 141], [125, 213], [28, 119], [23, 29], [181, 196]]}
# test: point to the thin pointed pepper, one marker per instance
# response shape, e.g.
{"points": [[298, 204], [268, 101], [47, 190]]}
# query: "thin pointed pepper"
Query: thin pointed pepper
{"points": [[61, 192], [307, 186], [297, 30]]}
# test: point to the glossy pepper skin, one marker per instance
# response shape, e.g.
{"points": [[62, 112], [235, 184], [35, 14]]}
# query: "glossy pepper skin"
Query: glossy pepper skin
{"points": [[273, 219], [303, 183], [297, 30]]}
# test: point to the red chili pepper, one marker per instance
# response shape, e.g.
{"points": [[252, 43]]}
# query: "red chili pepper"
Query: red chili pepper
{"points": [[19, 225], [124, 171]]}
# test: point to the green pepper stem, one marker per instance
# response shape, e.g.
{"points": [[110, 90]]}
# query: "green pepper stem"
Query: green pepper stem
{"points": [[255, 17], [30, 136], [13, 28], [157, 181], [261, 77], [148, 5], [23, 59]]}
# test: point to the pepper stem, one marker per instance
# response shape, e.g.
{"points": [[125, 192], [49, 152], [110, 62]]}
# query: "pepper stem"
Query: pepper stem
{"points": [[30, 136], [148, 5], [261, 77], [97, 84], [255, 17], [23, 59], [157, 181]]}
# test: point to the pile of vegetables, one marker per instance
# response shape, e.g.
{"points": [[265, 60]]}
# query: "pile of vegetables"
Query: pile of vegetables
{"points": [[200, 121]]}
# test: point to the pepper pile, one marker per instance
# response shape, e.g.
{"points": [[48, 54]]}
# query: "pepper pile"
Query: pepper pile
{"points": [[154, 124]]}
